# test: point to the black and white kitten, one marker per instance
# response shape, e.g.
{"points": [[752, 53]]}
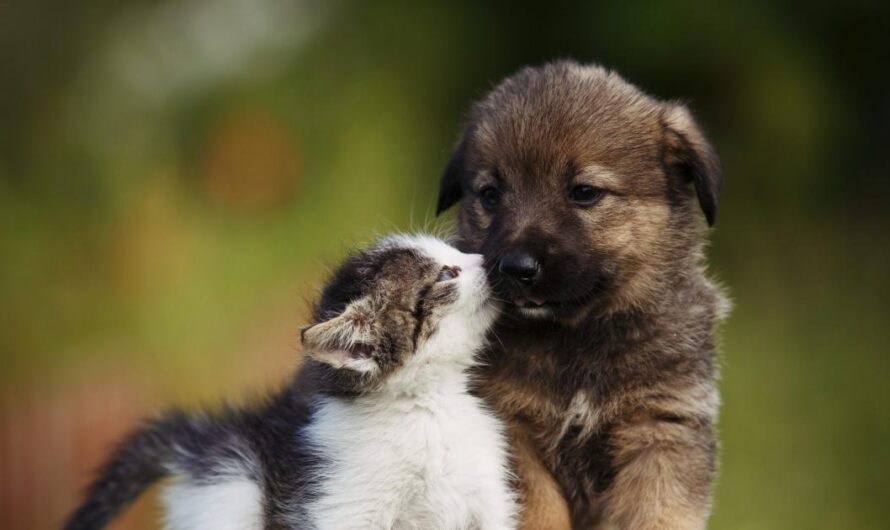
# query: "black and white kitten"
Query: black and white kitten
{"points": [[377, 431]]}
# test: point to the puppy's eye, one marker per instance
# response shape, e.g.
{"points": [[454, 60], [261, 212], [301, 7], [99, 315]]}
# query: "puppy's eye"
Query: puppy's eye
{"points": [[585, 195], [490, 197], [448, 273]]}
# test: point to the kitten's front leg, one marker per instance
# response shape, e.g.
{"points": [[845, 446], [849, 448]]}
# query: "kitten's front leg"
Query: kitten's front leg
{"points": [[355, 506], [494, 503], [497, 508]]}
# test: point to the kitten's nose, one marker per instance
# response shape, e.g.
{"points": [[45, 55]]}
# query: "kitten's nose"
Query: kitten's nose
{"points": [[520, 266]]}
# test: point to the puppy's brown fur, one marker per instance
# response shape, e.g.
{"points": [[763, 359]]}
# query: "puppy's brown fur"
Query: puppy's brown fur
{"points": [[610, 381]]}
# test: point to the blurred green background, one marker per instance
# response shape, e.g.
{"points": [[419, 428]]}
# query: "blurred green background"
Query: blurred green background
{"points": [[175, 177]]}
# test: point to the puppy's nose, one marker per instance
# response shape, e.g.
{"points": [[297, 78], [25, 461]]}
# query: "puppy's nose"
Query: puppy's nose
{"points": [[521, 266]]}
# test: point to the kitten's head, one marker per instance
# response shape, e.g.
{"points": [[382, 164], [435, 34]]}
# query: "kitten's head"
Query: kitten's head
{"points": [[404, 302]]}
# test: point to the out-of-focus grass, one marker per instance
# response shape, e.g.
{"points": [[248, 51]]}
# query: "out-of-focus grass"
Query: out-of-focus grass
{"points": [[803, 422]]}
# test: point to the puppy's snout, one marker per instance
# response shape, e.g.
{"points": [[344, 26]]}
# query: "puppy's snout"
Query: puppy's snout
{"points": [[520, 266]]}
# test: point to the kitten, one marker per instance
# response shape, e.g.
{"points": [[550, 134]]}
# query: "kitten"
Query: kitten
{"points": [[376, 431]]}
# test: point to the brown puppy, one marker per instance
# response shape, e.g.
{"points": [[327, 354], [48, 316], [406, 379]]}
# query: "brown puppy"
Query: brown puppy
{"points": [[581, 192]]}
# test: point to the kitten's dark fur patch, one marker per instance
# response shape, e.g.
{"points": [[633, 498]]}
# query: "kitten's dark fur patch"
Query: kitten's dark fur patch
{"points": [[206, 447], [605, 363]]}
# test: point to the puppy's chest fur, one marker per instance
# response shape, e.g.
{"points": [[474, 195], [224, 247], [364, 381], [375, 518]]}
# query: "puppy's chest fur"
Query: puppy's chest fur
{"points": [[432, 462], [601, 375]]}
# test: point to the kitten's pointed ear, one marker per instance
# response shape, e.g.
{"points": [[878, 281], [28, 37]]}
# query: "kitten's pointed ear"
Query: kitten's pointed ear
{"points": [[690, 152], [342, 342], [451, 182]]}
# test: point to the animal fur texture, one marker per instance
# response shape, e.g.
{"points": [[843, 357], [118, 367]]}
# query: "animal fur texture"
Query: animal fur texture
{"points": [[583, 194], [377, 431]]}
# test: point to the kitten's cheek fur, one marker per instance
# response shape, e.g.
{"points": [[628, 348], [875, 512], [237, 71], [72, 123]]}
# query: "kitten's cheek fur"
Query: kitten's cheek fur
{"points": [[474, 290]]}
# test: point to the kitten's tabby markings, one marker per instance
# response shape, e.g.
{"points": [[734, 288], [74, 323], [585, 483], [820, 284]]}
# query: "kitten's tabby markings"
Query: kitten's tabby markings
{"points": [[377, 431]]}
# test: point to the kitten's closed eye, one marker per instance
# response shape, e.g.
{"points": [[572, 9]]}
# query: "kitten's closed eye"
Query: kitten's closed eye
{"points": [[448, 273]]}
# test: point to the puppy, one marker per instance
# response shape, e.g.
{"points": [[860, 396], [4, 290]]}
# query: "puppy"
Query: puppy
{"points": [[583, 194]]}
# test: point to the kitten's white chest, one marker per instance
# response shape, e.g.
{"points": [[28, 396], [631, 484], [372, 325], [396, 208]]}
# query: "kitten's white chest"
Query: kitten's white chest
{"points": [[438, 463]]}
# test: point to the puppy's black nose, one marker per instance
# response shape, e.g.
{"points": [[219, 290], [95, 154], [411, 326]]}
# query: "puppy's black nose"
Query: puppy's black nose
{"points": [[521, 266]]}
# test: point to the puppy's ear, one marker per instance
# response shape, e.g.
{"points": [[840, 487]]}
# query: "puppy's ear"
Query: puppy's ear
{"points": [[343, 342], [690, 153], [451, 184]]}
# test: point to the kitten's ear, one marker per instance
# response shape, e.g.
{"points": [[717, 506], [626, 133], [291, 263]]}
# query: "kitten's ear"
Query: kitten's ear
{"points": [[451, 182], [344, 341], [690, 152]]}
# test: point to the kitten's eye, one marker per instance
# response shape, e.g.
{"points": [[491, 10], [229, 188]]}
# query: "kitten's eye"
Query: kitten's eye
{"points": [[490, 197], [585, 195], [448, 273]]}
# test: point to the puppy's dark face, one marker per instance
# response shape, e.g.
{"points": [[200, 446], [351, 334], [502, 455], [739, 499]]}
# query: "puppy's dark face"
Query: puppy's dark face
{"points": [[579, 190]]}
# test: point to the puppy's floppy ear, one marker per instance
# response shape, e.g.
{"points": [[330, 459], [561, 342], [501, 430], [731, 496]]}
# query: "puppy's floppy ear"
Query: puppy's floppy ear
{"points": [[451, 184], [344, 341], [689, 152]]}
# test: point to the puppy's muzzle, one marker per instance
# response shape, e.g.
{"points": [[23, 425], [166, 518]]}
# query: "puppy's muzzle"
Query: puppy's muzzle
{"points": [[520, 267]]}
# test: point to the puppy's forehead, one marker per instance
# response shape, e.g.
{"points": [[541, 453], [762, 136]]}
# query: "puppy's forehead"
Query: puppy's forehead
{"points": [[565, 117]]}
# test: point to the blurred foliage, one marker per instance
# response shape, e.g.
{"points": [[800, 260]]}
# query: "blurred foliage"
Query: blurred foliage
{"points": [[176, 175]]}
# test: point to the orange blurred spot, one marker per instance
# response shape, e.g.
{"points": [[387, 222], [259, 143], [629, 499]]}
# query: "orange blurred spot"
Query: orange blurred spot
{"points": [[251, 161]]}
